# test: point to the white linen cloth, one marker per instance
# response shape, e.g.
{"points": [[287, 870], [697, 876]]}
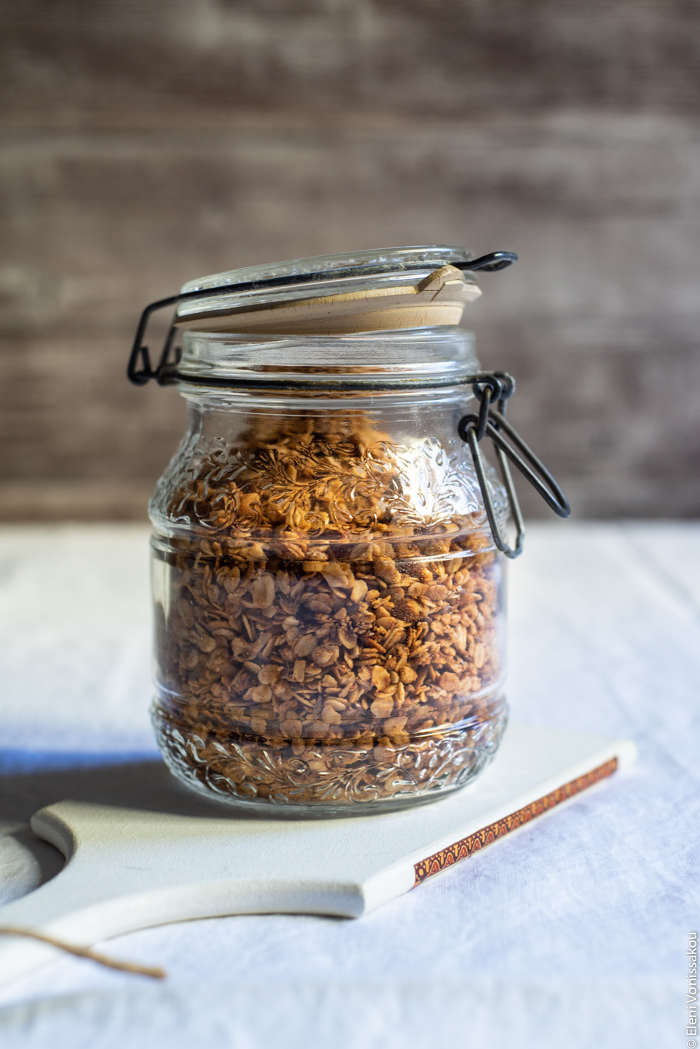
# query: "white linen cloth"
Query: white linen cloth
{"points": [[571, 933]]}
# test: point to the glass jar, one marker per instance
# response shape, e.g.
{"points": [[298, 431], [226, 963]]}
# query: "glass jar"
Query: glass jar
{"points": [[329, 598]]}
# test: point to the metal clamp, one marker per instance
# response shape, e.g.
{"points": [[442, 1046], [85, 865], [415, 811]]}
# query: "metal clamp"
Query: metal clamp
{"points": [[493, 389]]}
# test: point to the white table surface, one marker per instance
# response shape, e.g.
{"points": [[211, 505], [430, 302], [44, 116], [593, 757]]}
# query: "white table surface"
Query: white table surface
{"points": [[572, 933]]}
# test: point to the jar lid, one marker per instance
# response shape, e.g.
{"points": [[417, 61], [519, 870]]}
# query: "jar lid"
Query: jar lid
{"points": [[377, 290]]}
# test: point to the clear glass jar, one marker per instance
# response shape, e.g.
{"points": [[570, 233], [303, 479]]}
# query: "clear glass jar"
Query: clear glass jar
{"points": [[329, 601]]}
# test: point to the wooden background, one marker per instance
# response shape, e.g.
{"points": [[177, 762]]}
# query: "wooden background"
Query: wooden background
{"points": [[146, 142]]}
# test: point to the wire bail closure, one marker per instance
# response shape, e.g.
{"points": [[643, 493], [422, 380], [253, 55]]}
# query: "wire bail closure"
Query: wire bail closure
{"points": [[492, 389]]}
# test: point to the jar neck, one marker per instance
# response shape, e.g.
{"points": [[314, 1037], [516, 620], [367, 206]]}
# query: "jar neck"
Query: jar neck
{"points": [[405, 359]]}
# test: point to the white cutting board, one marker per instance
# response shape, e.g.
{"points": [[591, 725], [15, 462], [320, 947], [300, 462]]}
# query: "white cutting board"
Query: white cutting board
{"points": [[153, 852]]}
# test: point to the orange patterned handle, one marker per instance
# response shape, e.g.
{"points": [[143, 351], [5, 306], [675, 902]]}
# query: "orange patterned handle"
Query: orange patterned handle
{"points": [[474, 842]]}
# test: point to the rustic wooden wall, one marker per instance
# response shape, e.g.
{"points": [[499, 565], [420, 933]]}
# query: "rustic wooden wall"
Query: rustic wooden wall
{"points": [[145, 142]]}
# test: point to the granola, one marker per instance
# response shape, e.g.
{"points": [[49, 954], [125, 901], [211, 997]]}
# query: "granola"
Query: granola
{"points": [[319, 642]]}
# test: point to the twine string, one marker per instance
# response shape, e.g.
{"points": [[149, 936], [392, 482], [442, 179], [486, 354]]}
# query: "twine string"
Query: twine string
{"points": [[155, 972]]}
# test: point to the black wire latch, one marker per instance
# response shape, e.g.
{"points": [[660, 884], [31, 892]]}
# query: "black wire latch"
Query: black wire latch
{"points": [[493, 391]]}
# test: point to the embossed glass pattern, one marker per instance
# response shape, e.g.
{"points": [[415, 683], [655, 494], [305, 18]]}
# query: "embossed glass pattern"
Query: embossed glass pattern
{"points": [[328, 600]]}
